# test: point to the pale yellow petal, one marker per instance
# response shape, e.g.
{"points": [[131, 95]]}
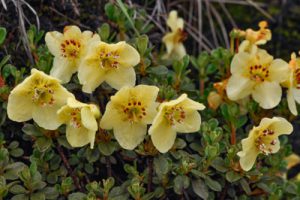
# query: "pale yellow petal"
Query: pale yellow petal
{"points": [[174, 22], [179, 51], [239, 87], [90, 75], [71, 32], [78, 137], [296, 94], [63, 69], [88, 119], [264, 57], [110, 117], [61, 95], [53, 41], [46, 116], [118, 78], [146, 93], [281, 126], [279, 70], [240, 63], [73, 103], [190, 104], [162, 136], [191, 123], [267, 94], [291, 103], [19, 105], [247, 159], [129, 56], [129, 135], [168, 39], [151, 111]]}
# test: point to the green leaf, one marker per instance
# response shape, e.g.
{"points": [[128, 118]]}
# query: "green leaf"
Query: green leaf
{"points": [[2, 35], [43, 143], [124, 10], [20, 197], [200, 188], [4, 61], [104, 31], [158, 70], [37, 196], [17, 189], [219, 164], [107, 148], [181, 182], [32, 130], [245, 186], [232, 176], [8, 70], [214, 185], [142, 44], [76, 196], [17, 152], [161, 165]]}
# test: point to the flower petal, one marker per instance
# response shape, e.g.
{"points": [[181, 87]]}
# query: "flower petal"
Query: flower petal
{"points": [[267, 94], [72, 32], [78, 137], [291, 102], [281, 126], [190, 124], [129, 56], [168, 39], [240, 62], [118, 78], [279, 70], [88, 119], [179, 51], [189, 104], [110, 118], [249, 153], [46, 116], [63, 69], [20, 105], [239, 87], [162, 136], [174, 22], [129, 135], [296, 94], [53, 41], [247, 159]]}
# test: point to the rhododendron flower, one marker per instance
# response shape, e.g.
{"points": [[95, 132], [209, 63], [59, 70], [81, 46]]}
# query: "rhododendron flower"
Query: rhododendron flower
{"points": [[292, 160], [261, 36], [174, 39], [263, 139], [68, 50], [179, 115], [38, 97], [112, 63], [257, 74], [293, 84], [128, 113], [81, 121]]}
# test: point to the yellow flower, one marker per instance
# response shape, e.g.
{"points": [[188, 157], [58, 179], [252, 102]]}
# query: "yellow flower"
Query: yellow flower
{"points": [[263, 139], [174, 39], [257, 74], [179, 115], [38, 97], [68, 50], [81, 122], [293, 84], [112, 63], [261, 36], [128, 113]]}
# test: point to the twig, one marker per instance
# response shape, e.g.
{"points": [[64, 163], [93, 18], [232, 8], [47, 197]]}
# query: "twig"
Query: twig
{"points": [[68, 167], [108, 166], [233, 134], [150, 173]]}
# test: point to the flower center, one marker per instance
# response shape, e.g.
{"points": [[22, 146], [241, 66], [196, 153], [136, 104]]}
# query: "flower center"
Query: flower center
{"points": [[109, 60], [297, 78], [180, 36], [75, 118], [42, 94], [265, 141], [134, 111], [70, 48], [258, 73], [174, 114]]}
